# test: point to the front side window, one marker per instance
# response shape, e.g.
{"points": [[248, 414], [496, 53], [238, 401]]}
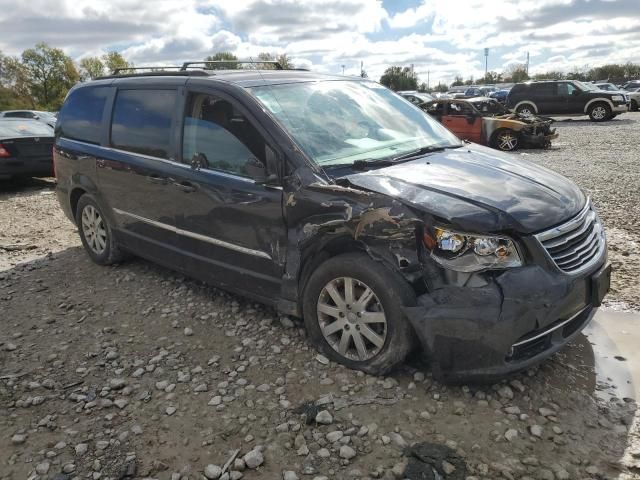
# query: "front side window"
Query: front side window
{"points": [[81, 115], [142, 120], [19, 115], [219, 135], [337, 122]]}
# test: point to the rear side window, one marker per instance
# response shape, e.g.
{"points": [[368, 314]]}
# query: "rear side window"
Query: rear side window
{"points": [[545, 88], [81, 114], [142, 121]]}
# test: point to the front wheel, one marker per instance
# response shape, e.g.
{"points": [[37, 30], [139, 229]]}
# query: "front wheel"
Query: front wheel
{"points": [[634, 106], [599, 112], [505, 140], [353, 313], [526, 109]]}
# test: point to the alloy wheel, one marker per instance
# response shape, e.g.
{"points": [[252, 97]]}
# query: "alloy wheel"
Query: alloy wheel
{"points": [[94, 230], [507, 141], [352, 319], [599, 113]]}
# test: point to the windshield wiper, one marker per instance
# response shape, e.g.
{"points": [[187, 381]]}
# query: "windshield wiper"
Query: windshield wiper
{"points": [[422, 151], [365, 164]]}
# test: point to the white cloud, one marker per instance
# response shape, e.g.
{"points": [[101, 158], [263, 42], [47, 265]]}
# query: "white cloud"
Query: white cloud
{"points": [[441, 38]]}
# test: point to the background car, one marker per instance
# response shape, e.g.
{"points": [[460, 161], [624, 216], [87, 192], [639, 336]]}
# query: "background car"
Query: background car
{"points": [[416, 97], [566, 97], [44, 117], [499, 95], [632, 85], [485, 121], [609, 87], [26, 148]]}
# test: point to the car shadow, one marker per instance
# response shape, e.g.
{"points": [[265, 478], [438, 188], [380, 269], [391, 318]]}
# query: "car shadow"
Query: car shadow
{"points": [[586, 121], [22, 184]]}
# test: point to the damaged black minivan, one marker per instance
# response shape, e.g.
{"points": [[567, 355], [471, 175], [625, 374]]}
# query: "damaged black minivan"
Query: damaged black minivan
{"points": [[335, 200]]}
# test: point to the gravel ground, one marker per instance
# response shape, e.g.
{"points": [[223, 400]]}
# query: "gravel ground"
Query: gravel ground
{"points": [[136, 372]]}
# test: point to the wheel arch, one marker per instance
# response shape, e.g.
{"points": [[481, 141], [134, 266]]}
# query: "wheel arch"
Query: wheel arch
{"points": [[598, 100]]}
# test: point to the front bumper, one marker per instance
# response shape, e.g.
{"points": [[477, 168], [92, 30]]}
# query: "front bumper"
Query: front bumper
{"points": [[520, 318], [540, 139], [620, 108]]}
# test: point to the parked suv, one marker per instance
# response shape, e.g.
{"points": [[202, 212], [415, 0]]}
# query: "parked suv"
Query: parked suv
{"points": [[566, 97], [333, 199]]}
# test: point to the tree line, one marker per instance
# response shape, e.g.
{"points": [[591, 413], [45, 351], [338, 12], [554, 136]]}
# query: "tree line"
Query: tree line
{"points": [[40, 77], [404, 78]]}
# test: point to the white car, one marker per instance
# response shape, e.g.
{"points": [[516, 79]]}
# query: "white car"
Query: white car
{"points": [[634, 98], [43, 117]]}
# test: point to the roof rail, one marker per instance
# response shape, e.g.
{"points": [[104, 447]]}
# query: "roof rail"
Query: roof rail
{"points": [[153, 68], [160, 73], [187, 65]]}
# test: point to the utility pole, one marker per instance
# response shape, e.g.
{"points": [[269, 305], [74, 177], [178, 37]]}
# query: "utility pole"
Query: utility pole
{"points": [[342, 69], [527, 64], [486, 63], [428, 74]]}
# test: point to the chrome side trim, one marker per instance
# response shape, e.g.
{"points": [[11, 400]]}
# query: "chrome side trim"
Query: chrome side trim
{"points": [[553, 329], [196, 236]]}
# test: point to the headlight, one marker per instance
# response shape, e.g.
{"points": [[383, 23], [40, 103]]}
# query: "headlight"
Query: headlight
{"points": [[617, 98], [465, 252]]}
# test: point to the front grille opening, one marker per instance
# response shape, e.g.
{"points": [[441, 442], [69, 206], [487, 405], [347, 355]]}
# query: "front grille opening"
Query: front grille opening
{"points": [[575, 244], [529, 350], [573, 326]]}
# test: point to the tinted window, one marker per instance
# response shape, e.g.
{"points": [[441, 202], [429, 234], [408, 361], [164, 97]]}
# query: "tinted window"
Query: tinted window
{"points": [[545, 88], [81, 114], [19, 115], [142, 121], [566, 89], [216, 130]]}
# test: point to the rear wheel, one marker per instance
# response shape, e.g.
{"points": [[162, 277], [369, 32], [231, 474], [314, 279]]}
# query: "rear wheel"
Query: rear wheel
{"points": [[526, 109], [95, 232], [599, 112], [634, 106], [353, 313], [505, 139]]}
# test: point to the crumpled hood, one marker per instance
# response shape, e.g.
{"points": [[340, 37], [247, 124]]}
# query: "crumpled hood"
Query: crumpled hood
{"points": [[477, 189]]}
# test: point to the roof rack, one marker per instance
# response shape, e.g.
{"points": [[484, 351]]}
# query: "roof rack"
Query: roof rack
{"points": [[153, 68], [187, 65]]}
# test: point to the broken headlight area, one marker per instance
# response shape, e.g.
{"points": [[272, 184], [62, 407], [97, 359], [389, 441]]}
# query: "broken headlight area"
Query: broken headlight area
{"points": [[465, 252]]}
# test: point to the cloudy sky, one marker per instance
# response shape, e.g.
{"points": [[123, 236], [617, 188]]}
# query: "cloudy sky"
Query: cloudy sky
{"points": [[442, 37]]}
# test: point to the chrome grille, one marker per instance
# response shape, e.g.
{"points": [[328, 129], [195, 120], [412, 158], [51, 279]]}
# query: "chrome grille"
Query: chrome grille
{"points": [[576, 244]]}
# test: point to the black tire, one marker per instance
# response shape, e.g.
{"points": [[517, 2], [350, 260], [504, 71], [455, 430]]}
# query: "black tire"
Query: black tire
{"points": [[634, 106], [390, 290], [505, 140], [599, 112], [110, 253], [526, 109]]}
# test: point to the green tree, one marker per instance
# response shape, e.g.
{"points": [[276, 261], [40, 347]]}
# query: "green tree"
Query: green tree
{"points": [[51, 74], [469, 81], [14, 88], [441, 87], [516, 73], [223, 57], [550, 75], [491, 77], [285, 61], [91, 67], [457, 81], [114, 60], [399, 78]]}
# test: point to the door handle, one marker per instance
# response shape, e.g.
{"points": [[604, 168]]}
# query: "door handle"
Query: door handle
{"points": [[186, 187], [157, 179]]}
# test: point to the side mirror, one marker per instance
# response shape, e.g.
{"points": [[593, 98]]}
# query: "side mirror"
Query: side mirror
{"points": [[258, 172], [575, 92], [36, 117], [471, 118]]}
